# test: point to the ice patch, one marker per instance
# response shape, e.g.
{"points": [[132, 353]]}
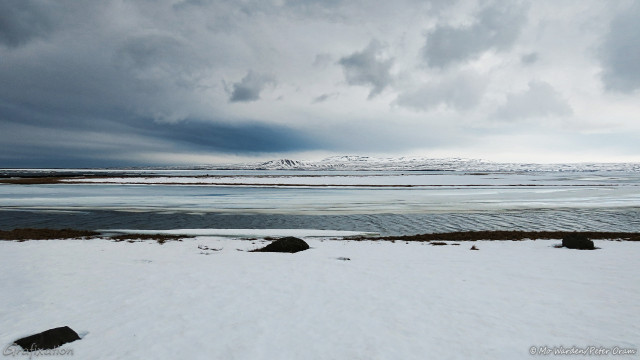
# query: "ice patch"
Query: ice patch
{"points": [[242, 232]]}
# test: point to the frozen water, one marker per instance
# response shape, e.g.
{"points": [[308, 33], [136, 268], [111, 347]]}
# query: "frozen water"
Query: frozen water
{"points": [[377, 201]]}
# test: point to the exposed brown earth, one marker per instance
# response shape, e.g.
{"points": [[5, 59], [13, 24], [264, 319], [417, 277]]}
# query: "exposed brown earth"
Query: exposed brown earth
{"points": [[501, 235], [33, 180], [160, 238], [504, 235], [45, 234], [38, 180], [52, 234]]}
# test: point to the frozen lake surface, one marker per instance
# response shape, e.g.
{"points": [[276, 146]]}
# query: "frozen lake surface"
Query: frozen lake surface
{"points": [[376, 201]]}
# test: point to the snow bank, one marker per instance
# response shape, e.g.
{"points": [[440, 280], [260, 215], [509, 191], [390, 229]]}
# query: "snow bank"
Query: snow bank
{"points": [[203, 299]]}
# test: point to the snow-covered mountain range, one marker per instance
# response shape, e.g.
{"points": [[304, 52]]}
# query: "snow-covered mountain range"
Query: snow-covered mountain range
{"points": [[362, 163]]}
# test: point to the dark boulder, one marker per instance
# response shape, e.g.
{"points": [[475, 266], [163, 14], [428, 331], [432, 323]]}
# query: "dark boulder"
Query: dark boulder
{"points": [[577, 241], [49, 339], [287, 244]]}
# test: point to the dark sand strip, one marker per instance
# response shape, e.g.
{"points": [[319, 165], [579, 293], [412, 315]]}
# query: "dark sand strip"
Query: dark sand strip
{"points": [[502, 235], [65, 234], [52, 234]]}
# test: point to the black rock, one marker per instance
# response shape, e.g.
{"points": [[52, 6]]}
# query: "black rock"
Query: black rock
{"points": [[287, 244], [49, 339], [577, 241]]}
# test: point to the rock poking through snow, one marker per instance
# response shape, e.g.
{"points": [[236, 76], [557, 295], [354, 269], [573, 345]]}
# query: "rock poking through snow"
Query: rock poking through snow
{"points": [[287, 244], [577, 241], [49, 339]]}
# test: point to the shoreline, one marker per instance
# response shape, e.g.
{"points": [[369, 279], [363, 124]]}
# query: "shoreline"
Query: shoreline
{"points": [[25, 234]]}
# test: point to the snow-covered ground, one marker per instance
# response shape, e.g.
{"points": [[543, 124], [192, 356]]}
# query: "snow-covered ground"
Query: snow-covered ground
{"points": [[183, 300]]}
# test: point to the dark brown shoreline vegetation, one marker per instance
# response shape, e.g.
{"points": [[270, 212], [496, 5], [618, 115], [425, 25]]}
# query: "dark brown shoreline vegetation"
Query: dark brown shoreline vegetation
{"points": [[34, 180], [24, 234], [505, 235], [50, 179]]}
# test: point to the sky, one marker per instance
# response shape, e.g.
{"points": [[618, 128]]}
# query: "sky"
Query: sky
{"points": [[192, 82]]}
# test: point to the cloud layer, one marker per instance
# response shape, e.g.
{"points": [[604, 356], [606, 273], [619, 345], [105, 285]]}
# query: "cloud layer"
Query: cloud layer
{"points": [[621, 52], [368, 68], [249, 88], [182, 81], [495, 27]]}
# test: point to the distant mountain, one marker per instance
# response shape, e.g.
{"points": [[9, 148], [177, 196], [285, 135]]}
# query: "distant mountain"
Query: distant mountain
{"points": [[281, 164], [362, 163], [357, 163]]}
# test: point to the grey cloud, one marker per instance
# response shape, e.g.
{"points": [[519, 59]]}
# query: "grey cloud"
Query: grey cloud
{"points": [[24, 20], [462, 92], [322, 60], [316, 8], [160, 57], [529, 59], [47, 140], [368, 68], [497, 27], [324, 97], [96, 82], [539, 100], [190, 3], [332, 10], [143, 51], [620, 52], [249, 88]]}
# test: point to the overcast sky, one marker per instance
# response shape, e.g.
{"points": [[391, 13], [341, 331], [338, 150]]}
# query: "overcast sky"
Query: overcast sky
{"points": [[111, 83]]}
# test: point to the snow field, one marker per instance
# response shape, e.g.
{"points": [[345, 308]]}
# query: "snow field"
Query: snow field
{"points": [[143, 300]]}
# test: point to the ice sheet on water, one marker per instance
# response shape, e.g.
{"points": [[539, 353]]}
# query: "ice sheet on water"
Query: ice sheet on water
{"points": [[242, 232]]}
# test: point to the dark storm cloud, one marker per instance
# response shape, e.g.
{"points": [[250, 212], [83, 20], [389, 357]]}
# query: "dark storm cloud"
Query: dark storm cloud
{"points": [[98, 95], [24, 20], [497, 27], [33, 139], [539, 100], [368, 68], [249, 88], [249, 137], [620, 52], [125, 82]]}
